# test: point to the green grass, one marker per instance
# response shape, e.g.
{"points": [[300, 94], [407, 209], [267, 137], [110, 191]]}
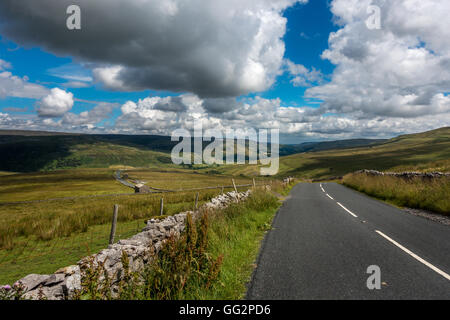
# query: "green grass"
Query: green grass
{"points": [[59, 184], [213, 259], [423, 152], [234, 237], [45, 257], [427, 194], [175, 179], [49, 220], [27, 228], [237, 234], [49, 236]]}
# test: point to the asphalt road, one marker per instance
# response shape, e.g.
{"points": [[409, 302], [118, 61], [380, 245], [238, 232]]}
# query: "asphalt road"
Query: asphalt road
{"points": [[325, 237]]}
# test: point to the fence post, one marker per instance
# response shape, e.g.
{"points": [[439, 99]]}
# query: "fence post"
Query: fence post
{"points": [[162, 207], [254, 183], [222, 189], [196, 201], [234, 185], [113, 224]]}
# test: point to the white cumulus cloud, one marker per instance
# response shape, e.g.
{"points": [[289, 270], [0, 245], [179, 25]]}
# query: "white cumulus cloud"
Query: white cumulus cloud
{"points": [[14, 86], [401, 70], [55, 104]]}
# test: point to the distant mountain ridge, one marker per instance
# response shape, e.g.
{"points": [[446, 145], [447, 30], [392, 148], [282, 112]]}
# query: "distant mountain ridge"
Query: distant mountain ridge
{"points": [[327, 145], [26, 151]]}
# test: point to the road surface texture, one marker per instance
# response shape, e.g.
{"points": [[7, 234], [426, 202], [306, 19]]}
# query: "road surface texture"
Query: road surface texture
{"points": [[325, 237]]}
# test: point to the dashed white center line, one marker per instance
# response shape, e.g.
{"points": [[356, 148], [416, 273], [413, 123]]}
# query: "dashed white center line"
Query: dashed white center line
{"points": [[330, 196], [412, 254], [354, 215]]}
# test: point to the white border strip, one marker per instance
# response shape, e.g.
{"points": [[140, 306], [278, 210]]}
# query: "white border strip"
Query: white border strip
{"points": [[429, 265]]}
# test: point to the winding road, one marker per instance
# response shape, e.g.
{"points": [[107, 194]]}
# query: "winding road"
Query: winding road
{"points": [[118, 177], [326, 236]]}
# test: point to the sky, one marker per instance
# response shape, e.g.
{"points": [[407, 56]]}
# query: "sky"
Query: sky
{"points": [[314, 69]]}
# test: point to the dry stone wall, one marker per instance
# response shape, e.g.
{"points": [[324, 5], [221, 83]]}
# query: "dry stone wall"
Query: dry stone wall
{"points": [[405, 175], [140, 249]]}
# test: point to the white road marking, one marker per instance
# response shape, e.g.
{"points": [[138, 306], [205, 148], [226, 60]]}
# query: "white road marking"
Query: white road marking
{"points": [[429, 265], [322, 188], [354, 215], [330, 196]]}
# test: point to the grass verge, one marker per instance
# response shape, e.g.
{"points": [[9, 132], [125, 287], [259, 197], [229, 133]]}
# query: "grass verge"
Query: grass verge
{"points": [[236, 234], [419, 193], [213, 259]]}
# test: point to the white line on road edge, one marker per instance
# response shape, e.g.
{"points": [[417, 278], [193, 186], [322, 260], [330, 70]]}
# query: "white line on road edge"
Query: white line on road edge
{"points": [[330, 196], [347, 210], [322, 188], [429, 265]]}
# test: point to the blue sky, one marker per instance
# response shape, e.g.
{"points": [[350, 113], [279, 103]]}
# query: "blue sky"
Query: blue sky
{"points": [[308, 28], [230, 63]]}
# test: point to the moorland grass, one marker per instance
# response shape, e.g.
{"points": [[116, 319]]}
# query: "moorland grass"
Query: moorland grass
{"points": [[59, 184], [427, 194], [45, 257], [44, 221], [43, 228], [423, 152], [183, 179]]}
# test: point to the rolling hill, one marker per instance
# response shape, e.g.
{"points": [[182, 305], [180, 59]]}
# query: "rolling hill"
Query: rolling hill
{"points": [[28, 151], [428, 151], [286, 150], [24, 151]]}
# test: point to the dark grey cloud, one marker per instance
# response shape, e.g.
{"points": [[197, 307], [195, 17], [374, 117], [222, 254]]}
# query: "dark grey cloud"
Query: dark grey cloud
{"points": [[355, 50], [214, 48], [220, 105], [171, 104]]}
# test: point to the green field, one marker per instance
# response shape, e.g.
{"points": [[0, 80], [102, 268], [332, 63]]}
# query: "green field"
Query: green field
{"points": [[185, 179], [429, 151], [52, 234], [59, 184]]}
